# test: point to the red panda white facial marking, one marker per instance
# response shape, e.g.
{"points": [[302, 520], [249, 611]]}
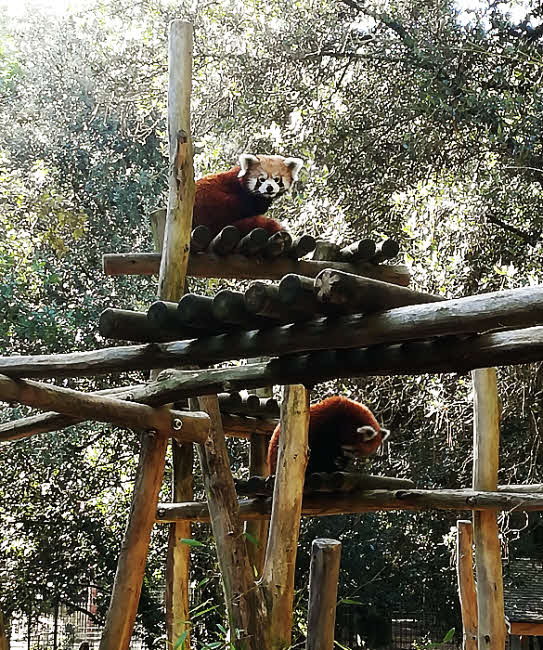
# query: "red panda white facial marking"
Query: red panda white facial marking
{"points": [[268, 176]]}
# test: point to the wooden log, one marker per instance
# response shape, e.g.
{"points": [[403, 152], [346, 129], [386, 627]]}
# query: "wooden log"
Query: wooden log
{"points": [[526, 628], [531, 488], [325, 251], [178, 555], [208, 265], [197, 312], [488, 561], [297, 292], [359, 251], [239, 426], [351, 482], [157, 220], [193, 427], [259, 408], [263, 300], [301, 246], [225, 242], [175, 254], [385, 250], [278, 244], [126, 325], [323, 583], [253, 243], [278, 572], [353, 293], [200, 238], [229, 402], [164, 314], [244, 602], [508, 309], [127, 586], [229, 307], [466, 584], [326, 504], [256, 532]]}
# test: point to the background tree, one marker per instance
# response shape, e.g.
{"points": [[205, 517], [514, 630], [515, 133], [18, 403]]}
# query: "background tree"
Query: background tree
{"points": [[417, 121]]}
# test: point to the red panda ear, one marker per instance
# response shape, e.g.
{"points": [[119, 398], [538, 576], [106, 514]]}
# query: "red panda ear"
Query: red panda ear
{"points": [[294, 164], [245, 162]]}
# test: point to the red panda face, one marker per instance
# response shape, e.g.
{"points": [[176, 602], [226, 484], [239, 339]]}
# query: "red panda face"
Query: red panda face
{"points": [[268, 176], [365, 442]]}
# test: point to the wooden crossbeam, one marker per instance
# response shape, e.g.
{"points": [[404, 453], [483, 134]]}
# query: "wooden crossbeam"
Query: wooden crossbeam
{"points": [[184, 426], [518, 308], [207, 265], [323, 505]]}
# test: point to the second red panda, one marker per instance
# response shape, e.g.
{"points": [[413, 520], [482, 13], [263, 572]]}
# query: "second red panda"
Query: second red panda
{"points": [[241, 196], [339, 428]]}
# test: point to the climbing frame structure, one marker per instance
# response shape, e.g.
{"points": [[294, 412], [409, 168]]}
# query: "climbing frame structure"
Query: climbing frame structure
{"points": [[343, 313]]}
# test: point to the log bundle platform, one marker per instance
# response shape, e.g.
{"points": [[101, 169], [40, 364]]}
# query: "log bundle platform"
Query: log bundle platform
{"points": [[342, 313]]}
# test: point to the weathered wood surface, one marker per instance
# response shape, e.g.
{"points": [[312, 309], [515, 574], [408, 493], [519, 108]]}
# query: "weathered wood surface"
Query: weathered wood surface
{"points": [[323, 505], [323, 584], [325, 251], [385, 250], [257, 530], [193, 427], [466, 584], [359, 251], [262, 485], [508, 309], [244, 602], [126, 325], [297, 291], [364, 294], [208, 265], [263, 300], [128, 578], [235, 425], [488, 559], [301, 246], [278, 572], [175, 254]]}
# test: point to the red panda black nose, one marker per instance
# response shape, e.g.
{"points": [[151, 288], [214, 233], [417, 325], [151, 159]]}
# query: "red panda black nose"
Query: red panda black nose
{"points": [[269, 189]]}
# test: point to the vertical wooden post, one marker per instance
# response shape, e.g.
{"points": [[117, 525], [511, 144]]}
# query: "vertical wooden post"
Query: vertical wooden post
{"points": [[278, 572], [244, 601], [175, 237], [131, 566], [323, 582], [258, 466], [466, 584], [486, 440], [4, 645]]}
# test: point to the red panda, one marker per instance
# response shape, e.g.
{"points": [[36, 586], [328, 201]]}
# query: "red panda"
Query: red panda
{"points": [[338, 429], [240, 196]]}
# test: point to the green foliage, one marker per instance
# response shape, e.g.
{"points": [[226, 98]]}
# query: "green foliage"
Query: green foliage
{"points": [[415, 120]]}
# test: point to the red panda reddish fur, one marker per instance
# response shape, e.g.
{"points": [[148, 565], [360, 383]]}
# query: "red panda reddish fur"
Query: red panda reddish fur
{"points": [[333, 423], [229, 198]]}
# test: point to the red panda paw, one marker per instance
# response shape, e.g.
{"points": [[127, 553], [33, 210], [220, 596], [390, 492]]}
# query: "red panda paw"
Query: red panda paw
{"points": [[250, 223]]}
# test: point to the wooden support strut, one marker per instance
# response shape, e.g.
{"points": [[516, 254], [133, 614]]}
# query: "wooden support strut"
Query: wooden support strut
{"points": [[278, 572], [488, 561], [173, 265], [466, 584], [193, 427]]}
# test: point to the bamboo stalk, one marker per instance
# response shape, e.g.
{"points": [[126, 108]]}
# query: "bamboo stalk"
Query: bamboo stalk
{"points": [[466, 584], [323, 582], [508, 309], [325, 504], [486, 437], [279, 563]]}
